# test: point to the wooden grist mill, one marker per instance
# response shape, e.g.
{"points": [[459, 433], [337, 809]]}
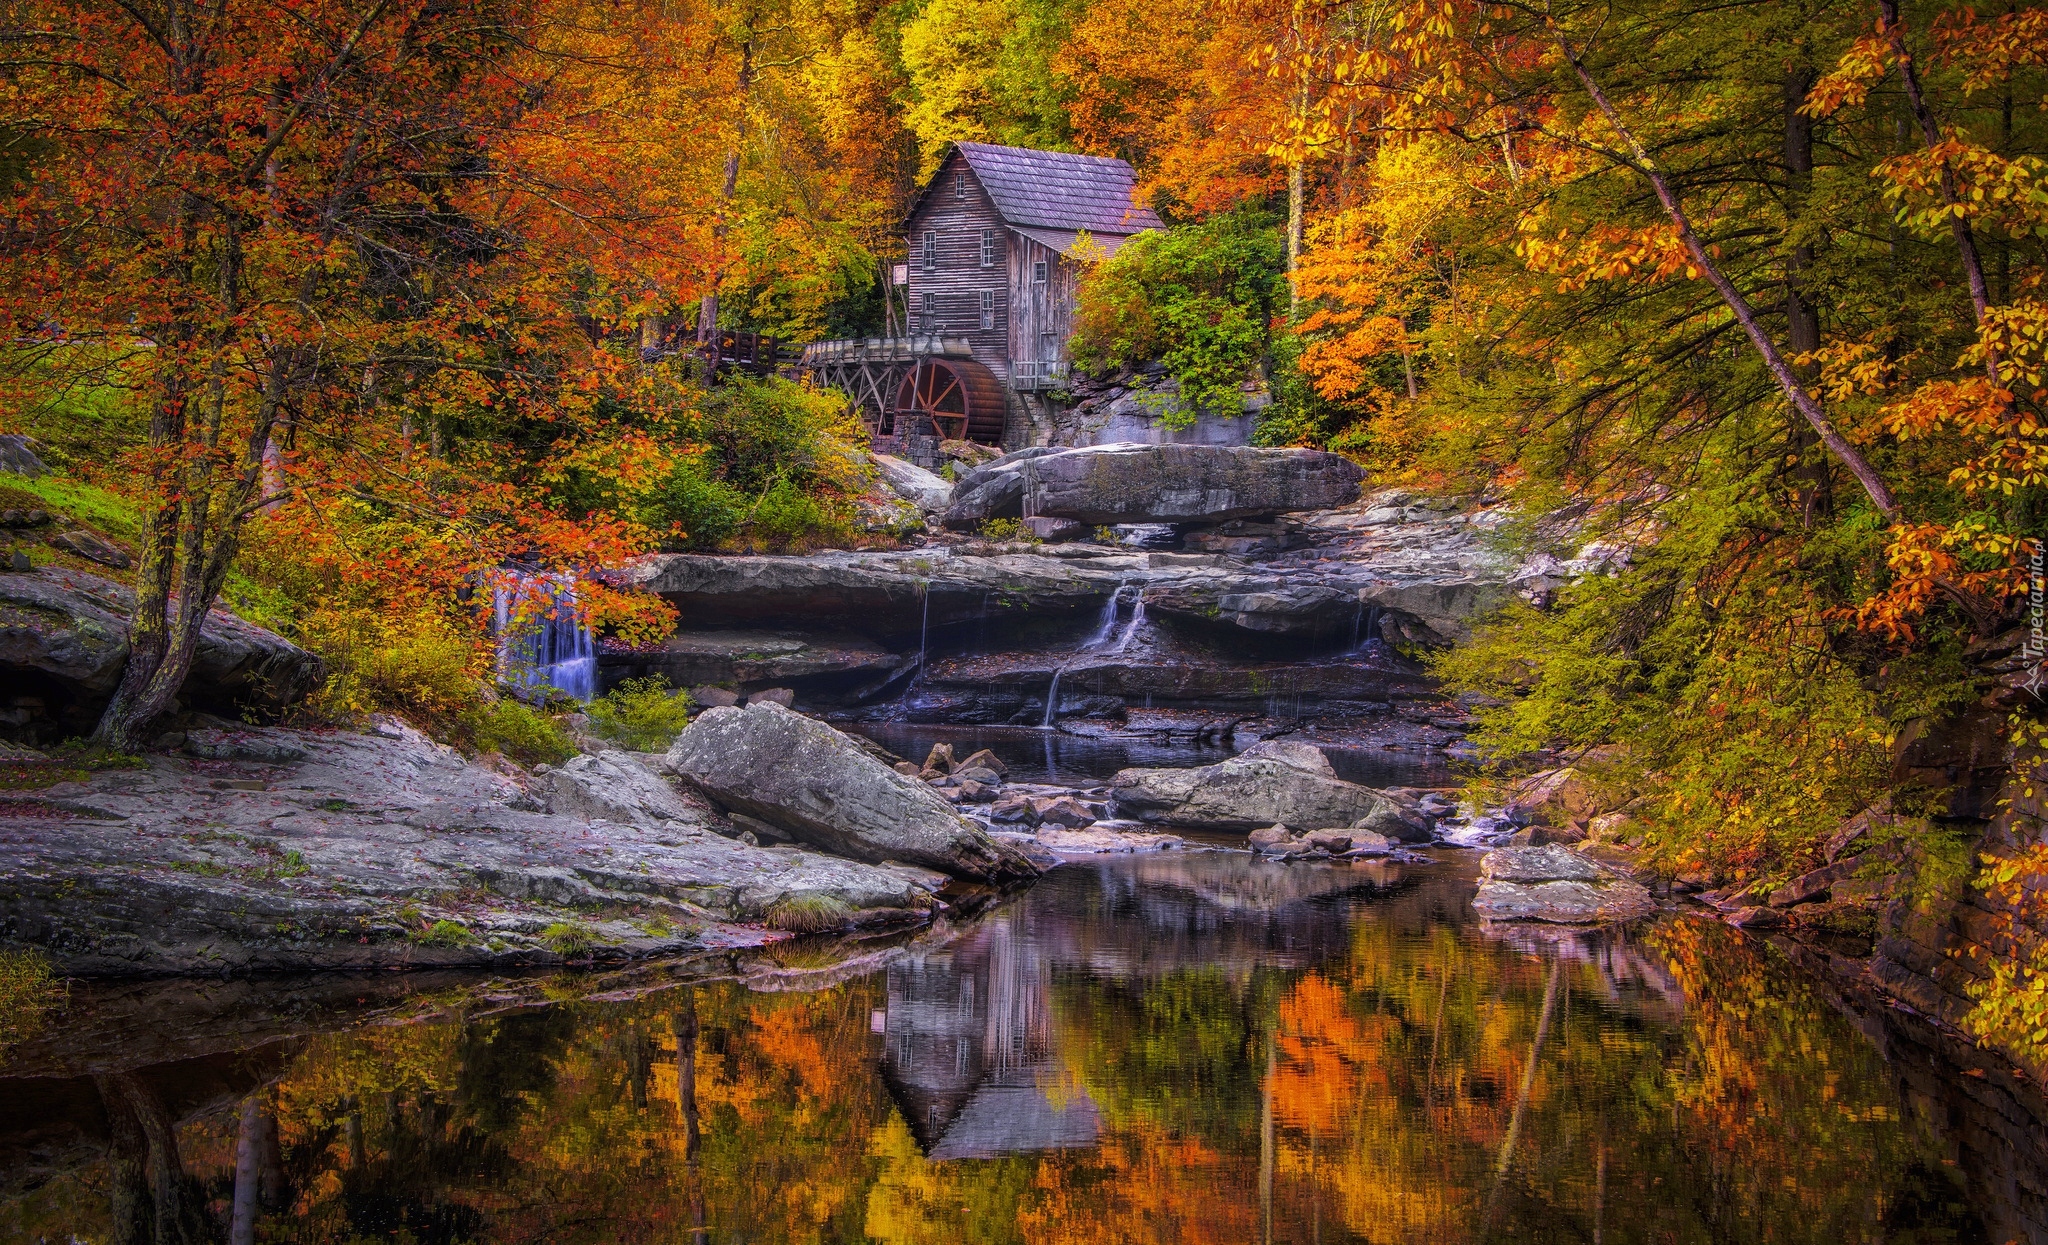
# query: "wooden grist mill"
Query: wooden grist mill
{"points": [[994, 247]]}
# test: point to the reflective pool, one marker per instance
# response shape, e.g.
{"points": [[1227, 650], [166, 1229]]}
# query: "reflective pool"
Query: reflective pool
{"points": [[1193, 1047]]}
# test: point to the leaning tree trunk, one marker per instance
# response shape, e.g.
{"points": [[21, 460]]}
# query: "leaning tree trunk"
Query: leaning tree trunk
{"points": [[191, 545]]}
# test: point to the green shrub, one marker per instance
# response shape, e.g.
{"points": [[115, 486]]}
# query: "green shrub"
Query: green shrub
{"points": [[1197, 298], [1005, 529], [516, 729], [642, 715], [692, 507], [787, 517], [29, 992], [780, 466]]}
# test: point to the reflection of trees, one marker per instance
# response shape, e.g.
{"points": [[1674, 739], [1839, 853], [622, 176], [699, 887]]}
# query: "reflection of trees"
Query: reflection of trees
{"points": [[1353, 1064]]}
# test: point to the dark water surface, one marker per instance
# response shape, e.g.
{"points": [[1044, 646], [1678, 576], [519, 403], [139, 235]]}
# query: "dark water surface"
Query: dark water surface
{"points": [[1086, 760], [1189, 1047]]}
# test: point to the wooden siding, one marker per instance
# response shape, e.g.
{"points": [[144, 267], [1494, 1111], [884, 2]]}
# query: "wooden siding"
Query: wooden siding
{"points": [[959, 279], [1041, 314]]}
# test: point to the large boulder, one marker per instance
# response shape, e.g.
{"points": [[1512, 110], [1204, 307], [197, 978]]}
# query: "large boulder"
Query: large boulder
{"points": [[70, 629], [1276, 781], [18, 456], [823, 789], [1114, 484], [927, 490], [1557, 885], [994, 490]]}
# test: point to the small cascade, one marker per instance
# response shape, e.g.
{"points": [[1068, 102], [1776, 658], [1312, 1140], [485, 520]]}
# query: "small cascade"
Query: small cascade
{"points": [[1365, 629], [1105, 625], [1105, 631], [1131, 628], [542, 641], [924, 624], [1052, 698]]}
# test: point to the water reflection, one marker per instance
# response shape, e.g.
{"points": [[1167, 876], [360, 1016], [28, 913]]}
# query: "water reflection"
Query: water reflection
{"points": [[1187, 1048], [1083, 760]]}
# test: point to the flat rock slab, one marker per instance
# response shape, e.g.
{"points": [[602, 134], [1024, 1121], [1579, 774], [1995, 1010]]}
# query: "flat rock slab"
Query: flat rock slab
{"points": [[347, 857], [1555, 884], [822, 788], [1116, 484]]}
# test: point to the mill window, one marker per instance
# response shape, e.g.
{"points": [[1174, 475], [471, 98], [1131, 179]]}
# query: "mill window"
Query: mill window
{"points": [[960, 184], [1041, 270], [988, 309], [929, 305], [931, 250], [988, 248]]}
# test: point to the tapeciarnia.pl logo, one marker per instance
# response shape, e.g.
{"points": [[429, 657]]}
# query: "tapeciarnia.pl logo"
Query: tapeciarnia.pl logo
{"points": [[2035, 647]]}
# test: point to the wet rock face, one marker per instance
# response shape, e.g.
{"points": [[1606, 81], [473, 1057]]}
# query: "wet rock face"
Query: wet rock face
{"points": [[1555, 884], [823, 789], [70, 629], [1117, 484], [1272, 782]]}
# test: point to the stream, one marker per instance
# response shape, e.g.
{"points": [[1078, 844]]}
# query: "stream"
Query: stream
{"points": [[1191, 1046]]}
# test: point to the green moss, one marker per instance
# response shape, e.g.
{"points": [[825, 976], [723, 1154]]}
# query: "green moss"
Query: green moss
{"points": [[567, 939], [808, 914], [103, 511], [446, 934]]}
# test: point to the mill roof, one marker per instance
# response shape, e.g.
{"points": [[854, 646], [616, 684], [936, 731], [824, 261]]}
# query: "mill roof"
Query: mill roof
{"points": [[1056, 190]]}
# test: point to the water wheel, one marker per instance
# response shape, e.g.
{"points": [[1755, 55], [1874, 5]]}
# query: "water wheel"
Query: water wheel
{"points": [[962, 399]]}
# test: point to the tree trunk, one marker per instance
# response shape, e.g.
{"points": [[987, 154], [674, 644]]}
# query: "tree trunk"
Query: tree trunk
{"points": [[248, 1171], [707, 310], [127, 1167], [1951, 195], [1805, 403], [1802, 318], [1294, 206]]}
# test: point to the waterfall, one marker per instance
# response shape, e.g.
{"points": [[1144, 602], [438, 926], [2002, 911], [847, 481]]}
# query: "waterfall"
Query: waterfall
{"points": [[1052, 698], [1105, 629], [1105, 625], [1131, 629], [924, 625], [542, 641], [1366, 627]]}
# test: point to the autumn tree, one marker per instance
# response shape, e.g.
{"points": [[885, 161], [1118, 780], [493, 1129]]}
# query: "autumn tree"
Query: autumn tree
{"points": [[269, 223]]}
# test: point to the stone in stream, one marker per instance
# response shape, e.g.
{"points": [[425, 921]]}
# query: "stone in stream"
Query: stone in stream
{"points": [[1557, 885], [1275, 781], [824, 790], [1279, 840], [1128, 483], [1062, 810], [984, 759]]}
